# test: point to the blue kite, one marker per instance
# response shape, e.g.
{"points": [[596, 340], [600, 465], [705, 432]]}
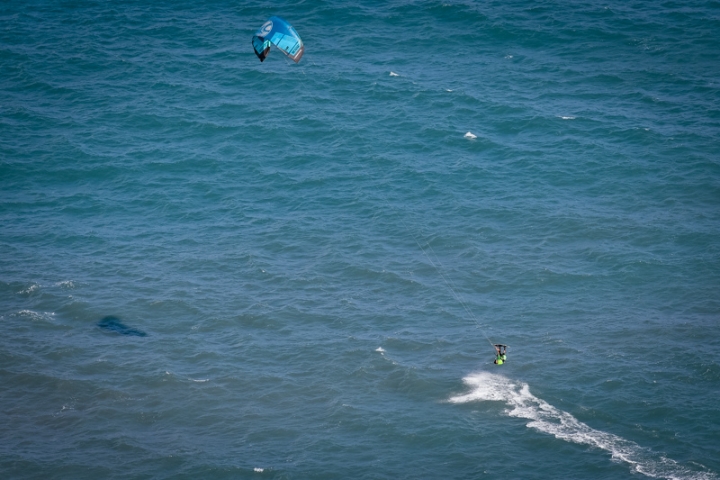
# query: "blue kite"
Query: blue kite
{"points": [[280, 33]]}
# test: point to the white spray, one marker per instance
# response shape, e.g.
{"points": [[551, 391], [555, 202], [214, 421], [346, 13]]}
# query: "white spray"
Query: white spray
{"points": [[548, 419]]}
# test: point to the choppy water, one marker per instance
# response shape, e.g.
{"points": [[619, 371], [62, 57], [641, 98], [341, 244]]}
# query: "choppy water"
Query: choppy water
{"points": [[212, 267]]}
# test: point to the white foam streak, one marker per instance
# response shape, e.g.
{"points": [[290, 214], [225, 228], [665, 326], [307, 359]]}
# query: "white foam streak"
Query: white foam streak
{"points": [[548, 419], [30, 289], [36, 316]]}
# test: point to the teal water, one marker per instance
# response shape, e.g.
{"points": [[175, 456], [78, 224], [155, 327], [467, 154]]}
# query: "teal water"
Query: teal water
{"points": [[212, 267]]}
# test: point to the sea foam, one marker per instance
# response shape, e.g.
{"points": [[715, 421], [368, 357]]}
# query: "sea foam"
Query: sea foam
{"points": [[548, 419]]}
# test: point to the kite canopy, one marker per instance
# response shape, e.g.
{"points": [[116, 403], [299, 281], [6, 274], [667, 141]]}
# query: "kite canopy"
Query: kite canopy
{"points": [[280, 33]]}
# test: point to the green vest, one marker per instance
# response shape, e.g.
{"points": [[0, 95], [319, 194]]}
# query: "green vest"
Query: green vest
{"points": [[499, 360], [504, 357]]}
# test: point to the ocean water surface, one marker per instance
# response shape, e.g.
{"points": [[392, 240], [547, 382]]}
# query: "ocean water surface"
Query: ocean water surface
{"points": [[213, 267]]}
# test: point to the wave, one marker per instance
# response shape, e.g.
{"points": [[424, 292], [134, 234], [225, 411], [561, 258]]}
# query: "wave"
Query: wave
{"points": [[36, 316], [29, 289], [548, 419]]}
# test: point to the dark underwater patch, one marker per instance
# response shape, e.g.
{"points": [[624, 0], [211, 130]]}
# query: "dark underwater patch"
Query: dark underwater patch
{"points": [[113, 324]]}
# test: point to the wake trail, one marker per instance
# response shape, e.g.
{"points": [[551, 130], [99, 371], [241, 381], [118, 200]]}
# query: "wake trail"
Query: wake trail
{"points": [[562, 425]]}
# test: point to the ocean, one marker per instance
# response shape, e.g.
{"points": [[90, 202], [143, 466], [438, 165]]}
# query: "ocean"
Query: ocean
{"points": [[217, 268]]}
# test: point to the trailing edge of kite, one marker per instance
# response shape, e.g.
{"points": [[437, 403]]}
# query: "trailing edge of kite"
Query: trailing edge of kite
{"points": [[280, 33]]}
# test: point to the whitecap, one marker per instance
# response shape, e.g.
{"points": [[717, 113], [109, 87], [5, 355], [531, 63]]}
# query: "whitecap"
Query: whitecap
{"points": [[36, 316], [199, 380], [380, 349], [567, 118], [30, 289], [258, 470], [470, 135], [393, 74]]}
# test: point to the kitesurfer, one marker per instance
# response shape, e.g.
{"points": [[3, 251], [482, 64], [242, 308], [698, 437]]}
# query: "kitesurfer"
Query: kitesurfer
{"points": [[500, 354]]}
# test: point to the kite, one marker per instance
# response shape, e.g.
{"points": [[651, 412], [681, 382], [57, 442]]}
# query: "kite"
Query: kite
{"points": [[280, 33]]}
